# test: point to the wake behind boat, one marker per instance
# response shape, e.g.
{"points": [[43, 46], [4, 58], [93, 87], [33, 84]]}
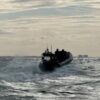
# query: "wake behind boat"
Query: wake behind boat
{"points": [[50, 61]]}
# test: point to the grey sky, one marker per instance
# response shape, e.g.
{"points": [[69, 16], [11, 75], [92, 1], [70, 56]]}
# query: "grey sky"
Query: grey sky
{"points": [[31, 25]]}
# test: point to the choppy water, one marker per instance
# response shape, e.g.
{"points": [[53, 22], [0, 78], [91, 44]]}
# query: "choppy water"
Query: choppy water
{"points": [[21, 79]]}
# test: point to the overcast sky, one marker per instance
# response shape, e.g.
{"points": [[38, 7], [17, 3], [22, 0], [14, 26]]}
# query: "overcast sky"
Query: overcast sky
{"points": [[28, 26]]}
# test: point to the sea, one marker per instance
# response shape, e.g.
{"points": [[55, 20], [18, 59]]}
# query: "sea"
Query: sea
{"points": [[21, 79]]}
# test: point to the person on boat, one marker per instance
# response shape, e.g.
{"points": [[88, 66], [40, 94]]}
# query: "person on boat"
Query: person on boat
{"points": [[57, 51], [63, 52], [47, 54], [62, 55], [58, 55], [47, 50]]}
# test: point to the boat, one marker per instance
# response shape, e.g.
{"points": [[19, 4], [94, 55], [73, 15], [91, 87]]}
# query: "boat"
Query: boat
{"points": [[51, 61]]}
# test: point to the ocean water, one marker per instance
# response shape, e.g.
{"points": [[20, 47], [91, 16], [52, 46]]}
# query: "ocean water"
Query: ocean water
{"points": [[21, 79]]}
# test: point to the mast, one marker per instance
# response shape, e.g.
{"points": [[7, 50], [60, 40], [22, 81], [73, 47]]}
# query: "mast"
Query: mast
{"points": [[51, 48], [47, 47]]}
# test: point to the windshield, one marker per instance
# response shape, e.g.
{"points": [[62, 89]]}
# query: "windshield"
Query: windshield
{"points": [[47, 58]]}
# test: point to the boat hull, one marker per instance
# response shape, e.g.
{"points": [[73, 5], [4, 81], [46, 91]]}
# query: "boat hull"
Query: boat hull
{"points": [[67, 61], [51, 66], [46, 67]]}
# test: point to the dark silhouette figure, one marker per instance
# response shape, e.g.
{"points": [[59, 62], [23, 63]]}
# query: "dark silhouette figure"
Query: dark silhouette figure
{"points": [[61, 55], [47, 50]]}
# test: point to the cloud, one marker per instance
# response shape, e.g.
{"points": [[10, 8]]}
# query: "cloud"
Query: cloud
{"points": [[63, 11], [4, 32], [31, 33], [22, 0], [36, 22], [21, 5]]}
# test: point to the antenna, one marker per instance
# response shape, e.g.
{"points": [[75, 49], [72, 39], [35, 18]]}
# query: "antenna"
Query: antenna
{"points": [[47, 47], [51, 47]]}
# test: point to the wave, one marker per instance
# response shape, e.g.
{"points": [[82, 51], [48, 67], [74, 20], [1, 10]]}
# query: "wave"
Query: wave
{"points": [[21, 79], [26, 69]]}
